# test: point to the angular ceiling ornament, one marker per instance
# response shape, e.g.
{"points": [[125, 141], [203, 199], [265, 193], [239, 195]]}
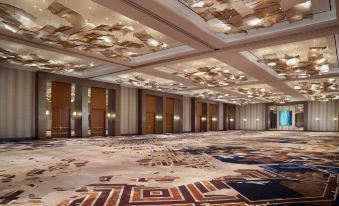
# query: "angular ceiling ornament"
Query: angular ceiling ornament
{"points": [[256, 92], [35, 61], [74, 18], [80, 34], [146, 82], [212, 76], [326, 97], [234, 16], [317, 86], [277, 99], [292, 67]]}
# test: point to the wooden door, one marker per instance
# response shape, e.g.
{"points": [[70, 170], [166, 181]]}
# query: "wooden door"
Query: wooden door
{"points": [[150, 114], [169, 115], [60, 122], [97, 122], [61, 104], [98, 111], [150, 122]]}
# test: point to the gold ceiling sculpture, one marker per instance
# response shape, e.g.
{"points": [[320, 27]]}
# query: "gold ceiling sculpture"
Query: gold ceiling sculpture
{"points": [[293, 67], [35, 61], [147, 83], [212, 76], [317, 86], [234, 16], [256, 92], [211, 95], [325, 97], [277, 99], [80, 34]]}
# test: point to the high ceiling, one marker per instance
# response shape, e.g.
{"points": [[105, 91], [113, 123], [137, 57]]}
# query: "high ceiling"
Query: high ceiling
{"points": [[236, 51]]}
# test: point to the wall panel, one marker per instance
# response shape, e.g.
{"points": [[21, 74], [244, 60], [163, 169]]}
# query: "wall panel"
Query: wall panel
{"points": [[251, 117], [129, 110], [17, 93], [323, 116], [186, 114], [221, 117]]}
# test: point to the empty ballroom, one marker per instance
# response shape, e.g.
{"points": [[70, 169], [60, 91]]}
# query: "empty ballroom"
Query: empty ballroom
{"points": [[169, 102]]}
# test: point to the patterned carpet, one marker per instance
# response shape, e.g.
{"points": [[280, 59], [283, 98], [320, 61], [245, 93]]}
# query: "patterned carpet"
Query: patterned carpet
{"points": [[219, 168]]}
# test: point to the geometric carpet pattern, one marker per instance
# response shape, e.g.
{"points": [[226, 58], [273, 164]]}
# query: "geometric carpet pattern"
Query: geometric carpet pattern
{"points": [[232, 168]]}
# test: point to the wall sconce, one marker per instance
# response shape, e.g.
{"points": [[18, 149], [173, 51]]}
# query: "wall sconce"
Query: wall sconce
{"points": [[74, 114], [231, 120], [47, 112], [158, 117], [317, 119], [245, 120], [111, 115], [257, 119], [214, 119], [176, 117], [203, 119], [335, 119]]}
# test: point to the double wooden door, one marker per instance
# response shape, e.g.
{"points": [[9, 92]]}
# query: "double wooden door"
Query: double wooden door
{"points": [[97, 122], [98, 112], [61, 106], [60, 122]]}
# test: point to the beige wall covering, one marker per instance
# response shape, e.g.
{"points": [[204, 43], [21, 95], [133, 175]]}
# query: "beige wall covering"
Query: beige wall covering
{"points": [[16, 103], [323, 116], [221, 115], [129, 110], [251, 117], [186, 114]]}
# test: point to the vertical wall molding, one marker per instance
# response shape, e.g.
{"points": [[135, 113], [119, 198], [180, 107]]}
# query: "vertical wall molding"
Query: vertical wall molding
{"points": [[129, 110], [187, 112], [17, 100]]}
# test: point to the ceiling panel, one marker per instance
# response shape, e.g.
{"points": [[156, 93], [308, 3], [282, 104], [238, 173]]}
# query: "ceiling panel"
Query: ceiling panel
{"points": [[303, 59], [85, 26], [39, 59], [207, 72], [234, 17]]}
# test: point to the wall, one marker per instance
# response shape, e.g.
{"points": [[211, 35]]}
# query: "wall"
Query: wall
{"points": [[221, 116], [187, 114], [17, 93], [323, 116], [129, 110], [246, 117]]}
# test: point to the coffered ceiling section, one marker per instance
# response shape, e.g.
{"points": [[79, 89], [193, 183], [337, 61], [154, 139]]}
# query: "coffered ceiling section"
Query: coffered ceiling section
{"points": [[207, 72], [318, 89], [145, 81], [82, 25], [263, 92], [243, 16], [303, 59], [216, 96], [39, 59]]}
